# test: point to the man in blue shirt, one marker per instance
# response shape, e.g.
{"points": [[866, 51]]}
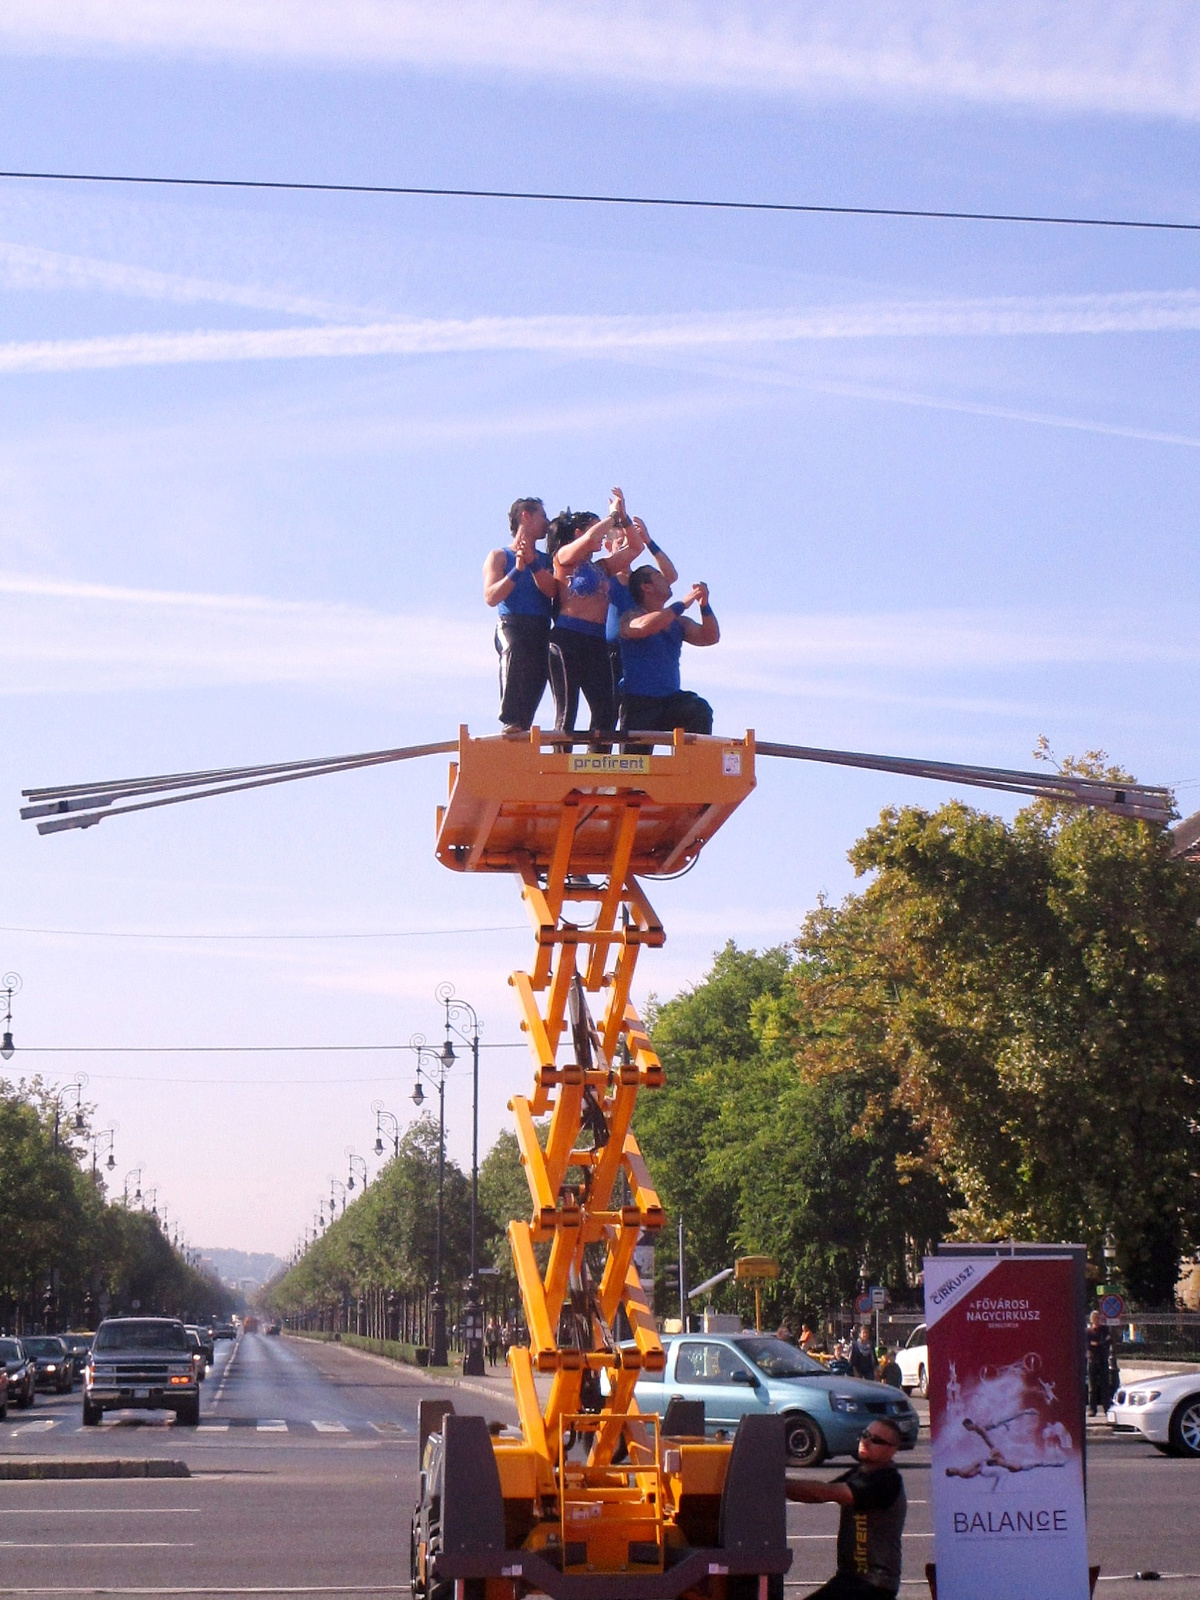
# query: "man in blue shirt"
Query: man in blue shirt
{"points": [[519, 582], [653, 633]]}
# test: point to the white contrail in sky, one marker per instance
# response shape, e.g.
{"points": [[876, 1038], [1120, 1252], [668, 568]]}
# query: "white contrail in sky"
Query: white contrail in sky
{"points": [[587, 336], [1132, 59]]}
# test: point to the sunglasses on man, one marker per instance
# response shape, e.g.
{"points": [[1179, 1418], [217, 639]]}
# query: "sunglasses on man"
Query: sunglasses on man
{"points": [[873, 1438]]}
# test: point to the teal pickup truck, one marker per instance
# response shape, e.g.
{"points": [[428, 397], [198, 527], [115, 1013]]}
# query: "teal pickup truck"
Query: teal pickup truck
{"points": [[735, 1374]]}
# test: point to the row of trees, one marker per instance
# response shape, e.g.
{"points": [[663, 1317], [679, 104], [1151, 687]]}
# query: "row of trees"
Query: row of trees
{"points": [[68, 1255], [997, 1037]]}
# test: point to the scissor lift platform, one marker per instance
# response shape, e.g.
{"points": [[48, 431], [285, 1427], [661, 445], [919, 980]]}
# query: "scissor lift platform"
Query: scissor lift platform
{"points": [[594, 1502], [510, 798]]}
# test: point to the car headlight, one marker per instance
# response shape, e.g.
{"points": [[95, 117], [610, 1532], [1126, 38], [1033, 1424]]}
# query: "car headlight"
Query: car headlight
{"points": [[844, 1402], [50, 1367], [1144, 1397]]}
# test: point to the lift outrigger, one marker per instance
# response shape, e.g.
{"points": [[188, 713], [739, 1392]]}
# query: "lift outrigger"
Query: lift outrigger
{"points": [[592, 1500]]}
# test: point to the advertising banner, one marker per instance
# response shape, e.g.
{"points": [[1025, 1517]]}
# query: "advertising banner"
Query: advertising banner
{"points": [[1006, 1417]]}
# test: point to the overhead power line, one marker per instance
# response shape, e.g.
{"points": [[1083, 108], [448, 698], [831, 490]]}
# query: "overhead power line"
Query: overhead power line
{"points": [[676, 202], [222, 938], [223, 1049]]}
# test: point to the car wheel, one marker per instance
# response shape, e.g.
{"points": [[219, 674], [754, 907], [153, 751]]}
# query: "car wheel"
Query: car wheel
{"points": [[26, 1400], [3, 1411], [1185, 1427], [804, 1441], [922, 1381], [189, 1415], [91, 1414]]}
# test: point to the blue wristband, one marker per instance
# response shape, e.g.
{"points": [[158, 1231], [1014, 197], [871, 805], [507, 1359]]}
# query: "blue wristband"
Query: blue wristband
{"points": [[652, 547]]}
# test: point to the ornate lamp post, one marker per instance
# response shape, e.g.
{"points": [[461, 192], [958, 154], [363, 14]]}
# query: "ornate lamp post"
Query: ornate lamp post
{"points": [[355, 1161], [473, 1311], [334, 1185], [435, 1074], [386, 1122], [136, 1174], [10, 985], [79, 1125], [97, 1140]]}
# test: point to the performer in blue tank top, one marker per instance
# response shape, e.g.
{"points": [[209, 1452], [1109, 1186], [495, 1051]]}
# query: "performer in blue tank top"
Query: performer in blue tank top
{"points": [[519, 582], [653, 633]]}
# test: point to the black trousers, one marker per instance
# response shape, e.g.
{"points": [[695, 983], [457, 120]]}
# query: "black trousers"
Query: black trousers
{"points": [[682, 710], [849, 1586], [523, 645], [580, 661]]}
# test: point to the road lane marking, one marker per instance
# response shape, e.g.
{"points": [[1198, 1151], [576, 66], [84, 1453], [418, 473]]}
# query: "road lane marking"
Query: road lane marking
{"points": [[211, 1589], [273, 1426], [212, 1427], [389, 1427], [86, 1544], [331, 1427], [97, 1511], [43, 1426]]}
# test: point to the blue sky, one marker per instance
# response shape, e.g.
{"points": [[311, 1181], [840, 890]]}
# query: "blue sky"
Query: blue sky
{"points": [[941, 478]]}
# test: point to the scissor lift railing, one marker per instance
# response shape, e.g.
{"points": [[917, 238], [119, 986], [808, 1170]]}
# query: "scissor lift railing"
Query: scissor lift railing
{"points": [[579, 827]]}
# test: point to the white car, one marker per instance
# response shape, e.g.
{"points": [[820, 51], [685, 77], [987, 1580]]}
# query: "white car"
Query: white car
{"points": [[1165, 1410], [913, 1361]]}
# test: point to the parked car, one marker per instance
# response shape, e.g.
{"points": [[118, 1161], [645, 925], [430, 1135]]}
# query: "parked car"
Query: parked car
{"points": [[1165, 1410], [21, 1371], [143, 1363], [734, 1374], [198, 1357], [914, 1363], [78, 1345], [205, 1337], [55, 1369], [3, 1393]]}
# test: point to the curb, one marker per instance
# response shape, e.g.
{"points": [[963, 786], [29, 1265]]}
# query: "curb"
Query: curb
{"points": [[47, 1467]]}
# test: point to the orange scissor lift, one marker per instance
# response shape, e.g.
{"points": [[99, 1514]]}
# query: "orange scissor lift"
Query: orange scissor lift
{"points": [[594, 1499]]}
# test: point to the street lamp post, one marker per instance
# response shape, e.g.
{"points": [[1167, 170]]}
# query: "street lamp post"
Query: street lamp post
{"points": [[10, 985], [135, 1173], [79, 1125], [473, 1312], [355, 1161], [97, 1139], [334, 1185], [386, 1122], [438, 1355]]}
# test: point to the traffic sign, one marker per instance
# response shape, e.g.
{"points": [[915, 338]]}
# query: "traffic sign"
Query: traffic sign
{"points": [[750, 1267], [879, 1297], [1113, 1306], [863, 1304]]}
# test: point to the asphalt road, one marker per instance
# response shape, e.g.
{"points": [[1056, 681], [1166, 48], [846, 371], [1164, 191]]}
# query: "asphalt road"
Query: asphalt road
{"points": [[304, 1474]]}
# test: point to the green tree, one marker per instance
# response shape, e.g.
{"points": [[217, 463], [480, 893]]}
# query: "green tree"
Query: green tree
{"points": [[1032, 993]]}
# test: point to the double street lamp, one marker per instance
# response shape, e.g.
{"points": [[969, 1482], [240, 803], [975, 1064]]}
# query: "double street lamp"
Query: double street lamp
{"points": [[457, 1010], [436, 1073]]}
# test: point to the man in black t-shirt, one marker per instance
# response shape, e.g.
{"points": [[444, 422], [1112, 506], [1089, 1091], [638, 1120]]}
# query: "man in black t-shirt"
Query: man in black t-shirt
{"points": [[871, 1496]]}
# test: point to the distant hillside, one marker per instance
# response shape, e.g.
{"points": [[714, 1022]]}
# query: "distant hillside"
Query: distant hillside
{"points": [[241, 1268]]}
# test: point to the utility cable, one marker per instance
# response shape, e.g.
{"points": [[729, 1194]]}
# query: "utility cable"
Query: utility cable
{"points": [[676, 202]]}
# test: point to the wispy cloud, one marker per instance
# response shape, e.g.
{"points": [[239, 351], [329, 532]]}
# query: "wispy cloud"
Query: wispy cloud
{"points": [[27, 267], [66, 635], [1126, 58], [588, 336]]}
